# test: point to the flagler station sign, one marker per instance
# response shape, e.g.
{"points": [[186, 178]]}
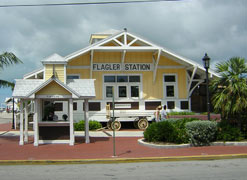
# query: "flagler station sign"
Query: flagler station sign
{"points": [[122, 67]]}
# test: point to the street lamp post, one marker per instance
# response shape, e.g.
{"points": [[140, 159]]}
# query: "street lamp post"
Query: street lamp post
{"points": [[206, 62]]}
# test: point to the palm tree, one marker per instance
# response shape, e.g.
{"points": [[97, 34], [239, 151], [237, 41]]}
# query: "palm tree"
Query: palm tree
{"points": [[229, 92], [7, 59]]}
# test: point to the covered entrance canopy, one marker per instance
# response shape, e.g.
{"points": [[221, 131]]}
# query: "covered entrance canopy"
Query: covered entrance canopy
{"points": [[39, 91]]}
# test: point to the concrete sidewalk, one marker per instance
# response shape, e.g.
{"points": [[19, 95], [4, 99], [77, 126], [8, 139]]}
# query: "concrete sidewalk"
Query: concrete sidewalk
{"points": [[100, 150]]}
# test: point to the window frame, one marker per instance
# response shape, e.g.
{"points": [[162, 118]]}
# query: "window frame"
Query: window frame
{"points": [[78, 75], [174, 84], [117, 84]]}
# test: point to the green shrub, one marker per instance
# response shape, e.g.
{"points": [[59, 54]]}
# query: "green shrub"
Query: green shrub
{"points": [[201, 133], [179, 124], [226, 132], [160, 132], [93, 125]]}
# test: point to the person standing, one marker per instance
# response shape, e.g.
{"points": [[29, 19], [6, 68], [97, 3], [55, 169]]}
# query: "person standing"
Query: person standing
{"points": [[163, 113], [157, 114]]}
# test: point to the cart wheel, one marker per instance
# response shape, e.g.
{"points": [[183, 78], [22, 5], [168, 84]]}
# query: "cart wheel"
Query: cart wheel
{"points": [[109, 124], [116, 125], [142, 124], [136, 123]]}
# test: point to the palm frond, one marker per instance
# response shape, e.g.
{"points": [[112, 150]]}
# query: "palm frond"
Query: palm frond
{"points": [[8, 58]]}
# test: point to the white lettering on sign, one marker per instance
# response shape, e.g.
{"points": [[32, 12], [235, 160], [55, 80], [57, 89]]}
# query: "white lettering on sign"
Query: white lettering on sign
{"points": [[122, 67]]}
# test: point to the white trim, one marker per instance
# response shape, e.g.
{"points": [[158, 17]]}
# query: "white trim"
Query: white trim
{"points": [[53, 141], [171, 67], [71, 123], [117, 84], [65, 75], [86, 117], [129, 48], [91, 64], [55, 96], [21, 142], [34, 73], [191, 79], [78, 67], [26, 122], [156, 66]]}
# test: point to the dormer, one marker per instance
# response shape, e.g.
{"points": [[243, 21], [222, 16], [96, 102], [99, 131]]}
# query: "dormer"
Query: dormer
{"points": [[55, 65], [102, 35]]}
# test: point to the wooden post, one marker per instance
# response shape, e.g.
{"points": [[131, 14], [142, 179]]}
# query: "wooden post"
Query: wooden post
{"points": [[21, 142], [86, 116], [71, 123], [26, 123], [35, 123]]}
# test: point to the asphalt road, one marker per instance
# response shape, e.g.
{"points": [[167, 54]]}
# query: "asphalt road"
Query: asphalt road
{"points": [[234, 169]]}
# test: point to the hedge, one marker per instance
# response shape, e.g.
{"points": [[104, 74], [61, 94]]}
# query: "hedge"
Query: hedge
{"points": [[201, 133], [93, 125]]}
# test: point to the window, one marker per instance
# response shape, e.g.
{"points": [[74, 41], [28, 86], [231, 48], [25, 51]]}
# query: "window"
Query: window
{"points": [[75, 106], [152, 105], [170, 78], [109, 79], [58, 106], [184, 105], [109, 91], [122, 91], [122, 78], [124, 86], [92, 106], [73, 76], [134, 90], [170, 104], [170, 91], [170, 86]]}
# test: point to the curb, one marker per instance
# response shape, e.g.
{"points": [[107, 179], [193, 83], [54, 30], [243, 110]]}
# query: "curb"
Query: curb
{"points": [[122, 160], [160, 146], [174, 146]]}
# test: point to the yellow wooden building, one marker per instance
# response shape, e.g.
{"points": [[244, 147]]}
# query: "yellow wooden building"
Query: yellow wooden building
{"points": [[138, 73]]}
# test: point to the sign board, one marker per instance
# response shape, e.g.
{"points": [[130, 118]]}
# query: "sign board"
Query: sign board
{"points": [[122, 106], [123, 67]]}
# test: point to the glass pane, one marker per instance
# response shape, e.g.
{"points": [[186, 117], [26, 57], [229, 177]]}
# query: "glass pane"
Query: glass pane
{"points": [[169, 91], [109, 79], [72, 77], [109, 91], [170, 78], [134, 91], [122, 78], [134, 78], [122, 91], [171, 104]]}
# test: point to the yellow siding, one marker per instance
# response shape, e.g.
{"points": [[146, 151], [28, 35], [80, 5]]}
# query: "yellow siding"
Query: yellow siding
{"points": [[99, 36], [138, 57], [150, 90], [83, 60], [164, 61], [59, 70], [84, 73], [109, 57], [53, 89]]}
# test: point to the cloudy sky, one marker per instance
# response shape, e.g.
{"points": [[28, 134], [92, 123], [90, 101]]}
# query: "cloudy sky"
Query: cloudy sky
{"points": [[190, 28]]}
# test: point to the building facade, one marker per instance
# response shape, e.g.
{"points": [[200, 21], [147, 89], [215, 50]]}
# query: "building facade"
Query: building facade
{"points": [[139, 74]]}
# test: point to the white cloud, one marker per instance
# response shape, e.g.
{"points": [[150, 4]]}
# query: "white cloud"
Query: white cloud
{"points": [[189, 28]]}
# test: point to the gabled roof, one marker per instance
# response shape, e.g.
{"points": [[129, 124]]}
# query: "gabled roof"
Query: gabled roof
{"points": [[24, 86], [54, 59], [44, 84], [132, 42], [79, 88]]}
